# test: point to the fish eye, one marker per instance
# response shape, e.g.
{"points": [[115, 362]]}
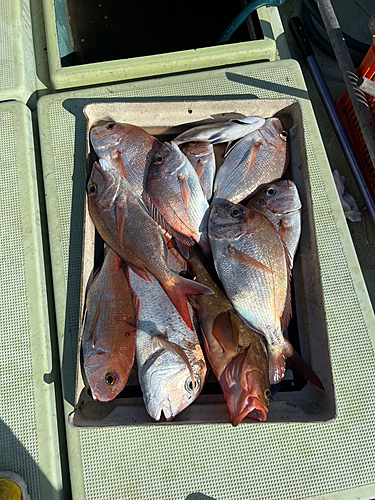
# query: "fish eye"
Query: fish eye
{"points": [[190, 387], [111, 125], [158, 159], [237, 212], [92, 189], [271, 191], [267, 393], [284, 135], [110, 379]]}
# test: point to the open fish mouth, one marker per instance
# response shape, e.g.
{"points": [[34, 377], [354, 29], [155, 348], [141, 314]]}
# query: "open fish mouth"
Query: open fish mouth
{"points": [[253, 409], [164, 407]]}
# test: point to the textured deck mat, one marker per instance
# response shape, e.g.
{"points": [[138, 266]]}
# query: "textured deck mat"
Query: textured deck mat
{"points": [[266, 461], [17, 70], [29, 444]]}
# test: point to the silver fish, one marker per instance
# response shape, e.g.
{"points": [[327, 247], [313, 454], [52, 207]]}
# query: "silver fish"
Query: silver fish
{"points": [[171, 365], [202, 157], [175, 191], [258, 158], [218, 132], [254, 268], [281, 204]]}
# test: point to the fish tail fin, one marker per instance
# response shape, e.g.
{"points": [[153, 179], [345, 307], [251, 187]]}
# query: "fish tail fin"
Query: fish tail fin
{"points": [[177, 289], [301, 366]]}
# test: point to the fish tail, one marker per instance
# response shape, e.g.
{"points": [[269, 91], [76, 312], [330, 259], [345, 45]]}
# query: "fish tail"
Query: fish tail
{"points": [[177, 288], [301, 366]]}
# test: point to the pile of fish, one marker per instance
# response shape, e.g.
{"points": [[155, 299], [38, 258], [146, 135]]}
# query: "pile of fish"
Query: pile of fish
{"points": [[197, 265]]}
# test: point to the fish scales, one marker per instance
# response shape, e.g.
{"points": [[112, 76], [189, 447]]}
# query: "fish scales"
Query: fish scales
{"points": [[174, 189], [163, 375], [254, 267], [281, 204], [235, 351], [128, 148], [258, 158], [109, 333], [202, 157], [219, 132], [122, 220]]}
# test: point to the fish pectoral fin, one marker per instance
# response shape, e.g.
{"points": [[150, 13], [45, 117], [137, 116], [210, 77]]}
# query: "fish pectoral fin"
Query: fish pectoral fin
{"points": [[118, 163], [200, 167], [142, 273], [161, 342], [255, 148], [222, 330], [185, 190], [233, 253]]}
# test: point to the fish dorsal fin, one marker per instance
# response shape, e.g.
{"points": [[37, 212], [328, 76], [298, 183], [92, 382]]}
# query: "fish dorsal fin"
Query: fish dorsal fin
{"points": [[142, 273], [222, 330], [83, 322], [233, 253], [161, 342]]}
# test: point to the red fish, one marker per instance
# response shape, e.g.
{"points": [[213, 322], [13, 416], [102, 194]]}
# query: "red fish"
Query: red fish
{"points": [[236, 352], [123, 222], [110, 327], [128, 148]]}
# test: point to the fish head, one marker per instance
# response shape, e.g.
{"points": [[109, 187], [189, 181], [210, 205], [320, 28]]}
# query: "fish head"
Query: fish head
{"points": [[167, 161], [246, 389], [279, 197], [109, 136], [106, 374], [275, 135], [167, 385], [196, 148], [229, 220], [102, 185], [275, 126]]}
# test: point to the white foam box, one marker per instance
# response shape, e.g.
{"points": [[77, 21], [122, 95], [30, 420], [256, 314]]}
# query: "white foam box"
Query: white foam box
{"points": [[297, 401]]}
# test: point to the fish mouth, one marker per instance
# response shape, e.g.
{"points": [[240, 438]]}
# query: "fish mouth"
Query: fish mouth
{"points": [[164, 407], [241, 388], [251, 408]]}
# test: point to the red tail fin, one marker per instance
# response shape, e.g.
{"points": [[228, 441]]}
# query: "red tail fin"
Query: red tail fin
{"points": [[177, 289]]}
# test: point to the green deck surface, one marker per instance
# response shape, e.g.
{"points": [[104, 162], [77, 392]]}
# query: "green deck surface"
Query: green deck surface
{"points": [[29, 441], [17, 69], [265, 461]]}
